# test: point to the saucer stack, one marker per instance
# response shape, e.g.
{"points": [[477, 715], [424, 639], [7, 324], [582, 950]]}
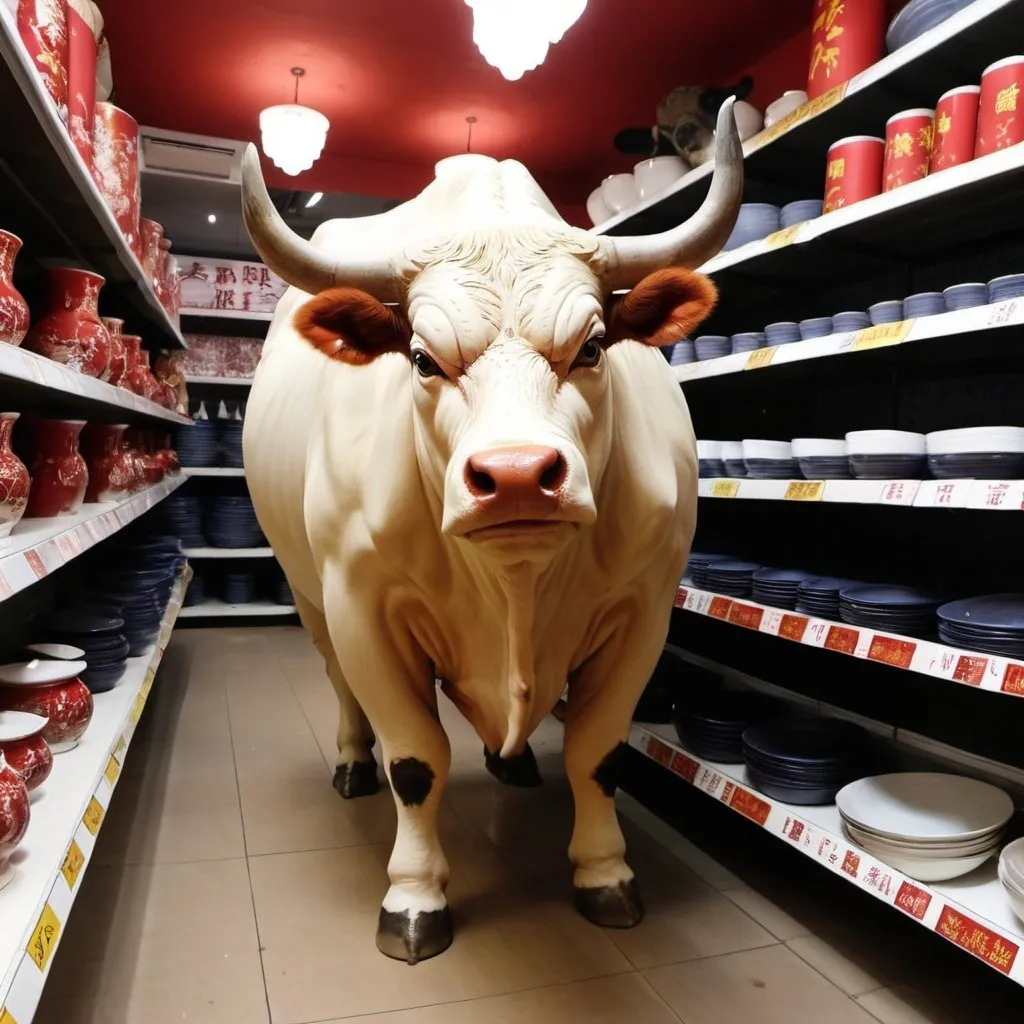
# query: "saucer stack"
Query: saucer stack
{"points": [[890, 609], [981, 453], [993, 624], [798, 212], [231, 522], [816, 327], [197, 445], [821, 458], [709, 459], [924, 304], [783, 333], [843, 323], [965, 296], [712, 725], [1011, 875], [769, 460], [820, 596], [732, 456], [748, 341], [712, 346], [888, 312], [886, 454], [778, 587], [699, 565], [1010, 286], [683, 353], [732, 577]]}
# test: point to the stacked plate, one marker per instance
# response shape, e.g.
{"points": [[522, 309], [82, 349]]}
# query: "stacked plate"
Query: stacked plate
{"points": [[184, 517], [748, 341], [982, 453], [197, 445], [755, 220], [769, 460], [699, 565], [99, 636], [671, 677], [712, 725], [231, 522], [842, 323], [798, 212], [886, 454], [196, 593], [230, 442], [965, 296], [816, 327], [283, 593], [890, 609], [924, 304], [1011, 874], [732, 577], [732, 456], [239, 587], [821, 458], [1010, 286], [785, 332], [804, 760], [709, 459], [993, 624], [778, 587], [137, 596], [888, 312], [917, 18], [712, 346], [929, 825], [683, 353], [820, 596]]}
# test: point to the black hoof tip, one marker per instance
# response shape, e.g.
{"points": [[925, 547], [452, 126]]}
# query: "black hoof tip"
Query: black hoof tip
{"points": [[356, 779], [611, 906], [520, 770], [402, 936]]}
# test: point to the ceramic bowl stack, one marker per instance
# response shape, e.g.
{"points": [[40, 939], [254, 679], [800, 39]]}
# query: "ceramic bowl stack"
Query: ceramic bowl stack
{"points": [[229, 436], [929, 825], [924, 304], [231, 522], [886, 454], [993, 624], [139, 597], [709, 459], [798, 212], [769, 460], [1009, 286], [196, 593], [888, 608], [732, 456], [732, 577], [981, 453], [239, 587], [778, 587], [99, 636], [820, 596], [755, 220], [184, 517], [804, 760], [851, 320], [1011, 875], [816, 327], [965, 296], [888, 312], [699, 565], [712, 346], [683, 353], [747, 341], [821, 458], [283, 593], [783, 333], [712, 725], [197, 445]]}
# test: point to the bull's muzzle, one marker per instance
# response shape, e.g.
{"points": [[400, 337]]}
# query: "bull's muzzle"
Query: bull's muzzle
{"points": [[513, 485]]}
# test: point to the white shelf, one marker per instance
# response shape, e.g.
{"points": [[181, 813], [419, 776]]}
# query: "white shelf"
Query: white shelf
{"points": [[229, 314], [925, 657], [216, 609], [972, 911], [39, 547], [67, 812], [242, 382], [213, 471], [984, 495], [229, 552]]}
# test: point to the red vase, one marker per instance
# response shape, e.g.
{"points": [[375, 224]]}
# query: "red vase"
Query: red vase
{"points": [[70, 330], [163, 291], [43, 27], [117, 366], [82, 54], [51, 689], [59, 473], [150, 234], [149, 382], [111, 469], [14, 815], [13, 307], [151, 467], [116, 168], [22, 744], [136, 379], [14, 479]]}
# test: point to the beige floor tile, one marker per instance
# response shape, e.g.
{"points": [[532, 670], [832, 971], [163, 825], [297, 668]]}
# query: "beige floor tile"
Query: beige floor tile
{"points": [[766, 986], [159, 945], [600, 1001], [766, 913], [847, 964], [317, 915], [901, 1005]]}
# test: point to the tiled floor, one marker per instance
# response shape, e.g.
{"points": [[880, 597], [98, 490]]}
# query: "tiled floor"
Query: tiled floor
{"points": [[233, 886]]}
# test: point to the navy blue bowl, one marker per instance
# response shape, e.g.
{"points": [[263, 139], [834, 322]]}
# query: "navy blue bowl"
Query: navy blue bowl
{"points": [[103, 680]]}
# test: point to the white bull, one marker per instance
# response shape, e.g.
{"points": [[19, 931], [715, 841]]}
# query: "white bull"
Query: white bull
{"points": [[491, 482]]}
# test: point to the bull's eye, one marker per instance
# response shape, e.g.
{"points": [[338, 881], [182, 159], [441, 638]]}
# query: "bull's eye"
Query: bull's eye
{"points": [[589, 353], [425, 366]]}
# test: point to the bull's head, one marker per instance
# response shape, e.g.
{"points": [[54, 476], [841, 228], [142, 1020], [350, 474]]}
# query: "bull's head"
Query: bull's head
{"points": [[513, 338]]}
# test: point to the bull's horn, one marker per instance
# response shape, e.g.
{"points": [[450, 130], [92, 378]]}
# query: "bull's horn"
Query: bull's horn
{"points": [[630, 259], [299, 262]]}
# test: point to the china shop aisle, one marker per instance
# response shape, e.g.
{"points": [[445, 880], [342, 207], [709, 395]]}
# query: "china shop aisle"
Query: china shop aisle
{"points": [[233, 886]]}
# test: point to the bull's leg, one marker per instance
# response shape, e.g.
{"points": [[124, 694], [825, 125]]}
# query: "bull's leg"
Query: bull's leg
{"points": [[356, 771], [602, 697]]}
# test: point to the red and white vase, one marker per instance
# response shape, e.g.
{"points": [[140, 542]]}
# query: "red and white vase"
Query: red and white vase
{"points": [[22, 744], [138, 377], [15, 812], [51, 689], [14, 480], [82, 53], [59, 473], [43, 27], [112, 471], [13, 307], [117, 365], [116, 168], [150, 233], [70, 330]]}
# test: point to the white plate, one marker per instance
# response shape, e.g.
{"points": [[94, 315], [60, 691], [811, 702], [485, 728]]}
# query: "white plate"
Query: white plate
{"points": [[885, 442], [930, 851], [930, 844], [39, 672], [758, 449], [63, 652], [16, 725], [925, 805], [975, 439], [811, 447], [1010, 884], [1012, 859]]}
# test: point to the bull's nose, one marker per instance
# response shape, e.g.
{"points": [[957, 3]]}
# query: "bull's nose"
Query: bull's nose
{"points": [[522, 481]]}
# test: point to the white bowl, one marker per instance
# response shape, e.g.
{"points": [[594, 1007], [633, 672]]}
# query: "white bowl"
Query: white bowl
{"points": [[925, 851], [1010, 882], [754, 448], [618, 192], [1012, 860], [909, 806], [16, 725], [1015, 899], [64, 652], [811, 447], [885, 442], [975, 439], [955, 846], [39, 672], [933, 870], [749, 120], [596, 209], [709, 449], [657, 174], [732, 450], [785, 104]]}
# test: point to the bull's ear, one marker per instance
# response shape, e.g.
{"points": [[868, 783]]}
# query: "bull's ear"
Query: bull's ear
{"points": [[664, 307], [349, 325]]}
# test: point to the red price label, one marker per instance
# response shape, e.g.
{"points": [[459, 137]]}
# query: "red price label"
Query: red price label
{"points": [[913, 900], [745, 615], [970, 670], [660, 752], [898, 653], [35, 563], [685, 767], [851, 862], [680, 601], [750, 806], [841, 638], [977, 939], [719, 608], [792, 627]]}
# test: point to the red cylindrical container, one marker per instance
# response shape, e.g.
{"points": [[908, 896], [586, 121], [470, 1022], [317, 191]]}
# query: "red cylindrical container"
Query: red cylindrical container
{"points": [[956, 125], [82, 50], [847, 36], [43, 27], [853, 171], [116, 168], [1000, 122], [908, 147]]}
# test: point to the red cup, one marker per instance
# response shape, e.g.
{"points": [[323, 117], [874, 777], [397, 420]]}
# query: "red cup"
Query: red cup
{"points": [[846, 38], [853, 171], [908, 147], [1001, 106], [956, 125]]}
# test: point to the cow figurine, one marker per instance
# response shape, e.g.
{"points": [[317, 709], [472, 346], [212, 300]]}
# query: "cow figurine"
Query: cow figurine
{"points": [[475, 466]]}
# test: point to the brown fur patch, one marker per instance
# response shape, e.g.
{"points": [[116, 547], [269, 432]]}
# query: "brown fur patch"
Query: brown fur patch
{"points": [[347, 324], [664, 307]]}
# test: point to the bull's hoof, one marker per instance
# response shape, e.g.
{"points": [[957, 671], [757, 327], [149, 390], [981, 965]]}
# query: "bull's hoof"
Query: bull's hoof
{"points": [[359, 778], [413, 938], [611, 906], [520, 770]]}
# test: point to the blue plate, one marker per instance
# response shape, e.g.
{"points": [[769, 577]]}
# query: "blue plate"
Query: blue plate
{"points": [[917, 18], [888, 596], [999, 611], [790, 794]]}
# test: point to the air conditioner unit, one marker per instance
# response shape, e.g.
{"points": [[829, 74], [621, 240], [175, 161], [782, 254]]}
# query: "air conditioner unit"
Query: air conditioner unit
{"points": [[190, 156]]}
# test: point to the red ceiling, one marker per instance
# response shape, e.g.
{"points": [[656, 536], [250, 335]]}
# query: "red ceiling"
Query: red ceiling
{"points": [[398, 77]]}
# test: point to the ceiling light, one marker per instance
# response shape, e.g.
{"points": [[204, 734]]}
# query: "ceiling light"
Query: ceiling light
{"points": [[514, 35], [293, 135], [212, 218], [313, 200]]}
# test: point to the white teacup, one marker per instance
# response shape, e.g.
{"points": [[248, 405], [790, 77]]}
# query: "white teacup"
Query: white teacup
{"points": [[657, 174], [618, 192]]}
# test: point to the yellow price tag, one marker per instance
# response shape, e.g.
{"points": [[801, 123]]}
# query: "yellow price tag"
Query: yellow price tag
{"points": [[6, 1017], [137, 705], [786, 236], [825, 101], [112, 770], [725, 488], [93, 817], [802, 113], [73, 863], [120, 748], [44, 938], [881, 335], [805, 490], [760, 357]]}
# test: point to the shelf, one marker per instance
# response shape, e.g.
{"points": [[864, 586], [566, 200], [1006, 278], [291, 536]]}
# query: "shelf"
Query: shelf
{"points": [[924, 657], [54, 385], [213, 471], [215, 609], [67, 813], [39, 547], [787, 161], [972, 911], [229, 552], [227, 314], [242, 382], [983, 495], [48, 197]]}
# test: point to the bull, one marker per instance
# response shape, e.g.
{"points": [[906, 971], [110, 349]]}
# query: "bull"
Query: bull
{"points": [[476, 468]]}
